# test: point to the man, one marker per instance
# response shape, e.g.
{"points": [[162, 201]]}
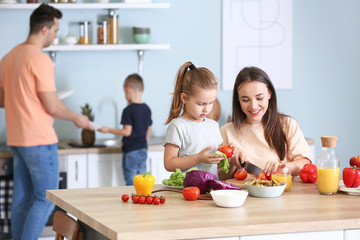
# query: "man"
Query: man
{"points": [[28, 93]]}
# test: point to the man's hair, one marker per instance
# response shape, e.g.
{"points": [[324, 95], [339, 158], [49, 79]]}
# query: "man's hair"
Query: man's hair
{"points": [[43, 16], [135, 82]]}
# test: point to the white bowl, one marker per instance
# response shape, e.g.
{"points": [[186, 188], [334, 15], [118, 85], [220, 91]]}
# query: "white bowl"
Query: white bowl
{"points": [[265, 192], [229, 198]]}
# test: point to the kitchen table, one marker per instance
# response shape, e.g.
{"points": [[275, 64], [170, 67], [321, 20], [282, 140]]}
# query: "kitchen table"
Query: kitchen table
{"points": [[302, 209]]}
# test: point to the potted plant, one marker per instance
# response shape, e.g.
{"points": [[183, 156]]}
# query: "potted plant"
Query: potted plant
{"points": [[87, 136]]}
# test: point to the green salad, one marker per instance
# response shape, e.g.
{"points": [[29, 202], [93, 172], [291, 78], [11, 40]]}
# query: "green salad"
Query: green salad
{"points": [[176, 178]]}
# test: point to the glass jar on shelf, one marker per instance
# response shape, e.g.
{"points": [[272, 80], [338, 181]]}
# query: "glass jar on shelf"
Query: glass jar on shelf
{"points": [[103, 32], [113, 20], [328, 169], [84, 33]]}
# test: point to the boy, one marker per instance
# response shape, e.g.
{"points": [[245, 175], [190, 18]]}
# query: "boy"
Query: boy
{"points": [[136, 131]]}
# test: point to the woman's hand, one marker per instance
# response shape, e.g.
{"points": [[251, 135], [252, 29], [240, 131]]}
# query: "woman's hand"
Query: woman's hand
{"points": [[205, 157], [272, 167], [104, 129]]}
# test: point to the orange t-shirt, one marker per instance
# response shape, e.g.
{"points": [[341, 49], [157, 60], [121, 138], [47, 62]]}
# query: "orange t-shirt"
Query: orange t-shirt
{"points": [[24, 72]]}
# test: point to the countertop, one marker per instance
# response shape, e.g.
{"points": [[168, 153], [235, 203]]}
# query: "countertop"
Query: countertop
{"points": [[302, 209], [155, 144]]}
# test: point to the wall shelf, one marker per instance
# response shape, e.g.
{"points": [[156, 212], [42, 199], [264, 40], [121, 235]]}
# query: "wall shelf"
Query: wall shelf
{"points": [[53, 49], [19, 6]]}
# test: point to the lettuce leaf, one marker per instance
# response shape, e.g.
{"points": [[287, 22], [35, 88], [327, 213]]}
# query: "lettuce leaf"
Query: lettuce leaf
{"points": [[224, 164], [177, 178]]}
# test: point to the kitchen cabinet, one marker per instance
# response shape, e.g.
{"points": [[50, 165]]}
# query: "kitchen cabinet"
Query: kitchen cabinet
{"points": [[140, 48], [76, 168], [105, 170], [155, 164]]}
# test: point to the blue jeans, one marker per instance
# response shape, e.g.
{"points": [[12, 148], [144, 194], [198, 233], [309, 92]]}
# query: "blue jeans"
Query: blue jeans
{"points": [[36, 169], [134, 163]]}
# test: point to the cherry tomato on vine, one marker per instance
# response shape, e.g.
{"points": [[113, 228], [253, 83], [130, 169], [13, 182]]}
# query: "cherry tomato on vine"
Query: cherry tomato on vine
{"points": [[149, 200], [142, 200], [162, 199], [135, 198], [156, 200]]}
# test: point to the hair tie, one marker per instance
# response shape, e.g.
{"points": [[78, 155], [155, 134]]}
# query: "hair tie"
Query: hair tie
{"points": [[192, 66]]}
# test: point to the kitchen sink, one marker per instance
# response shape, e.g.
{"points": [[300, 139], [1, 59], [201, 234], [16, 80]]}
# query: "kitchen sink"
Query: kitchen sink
{"points": [[109, 142]]}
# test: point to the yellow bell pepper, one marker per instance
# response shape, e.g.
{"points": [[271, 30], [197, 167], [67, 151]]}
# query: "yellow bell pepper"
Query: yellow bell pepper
{"points": [[144, 184]]}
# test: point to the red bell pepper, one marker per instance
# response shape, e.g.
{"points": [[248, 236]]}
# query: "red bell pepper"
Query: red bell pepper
{"points": [[308, 173], [351, 177]]}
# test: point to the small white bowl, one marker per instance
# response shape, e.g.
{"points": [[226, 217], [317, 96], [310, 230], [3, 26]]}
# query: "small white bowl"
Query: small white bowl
{"points": [[229, 198], [265, 192]]}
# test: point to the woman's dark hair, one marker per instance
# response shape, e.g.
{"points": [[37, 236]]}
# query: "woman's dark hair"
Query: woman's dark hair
{"points": [[273, 128], [43, 16]]}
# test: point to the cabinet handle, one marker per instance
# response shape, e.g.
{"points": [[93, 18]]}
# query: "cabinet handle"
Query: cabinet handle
{"points": [[76, 170], [150, 167]]}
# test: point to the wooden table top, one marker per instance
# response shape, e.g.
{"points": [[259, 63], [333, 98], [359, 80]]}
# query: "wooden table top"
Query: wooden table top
{"points": [[302, 209]]}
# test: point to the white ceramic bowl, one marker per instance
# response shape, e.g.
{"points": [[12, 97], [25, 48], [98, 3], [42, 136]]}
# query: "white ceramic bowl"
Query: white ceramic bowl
{"points": [[265, 192], [229, 198]]}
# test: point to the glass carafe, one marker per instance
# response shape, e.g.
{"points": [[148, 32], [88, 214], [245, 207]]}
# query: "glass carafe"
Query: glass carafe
{"points": [[328, 170]]}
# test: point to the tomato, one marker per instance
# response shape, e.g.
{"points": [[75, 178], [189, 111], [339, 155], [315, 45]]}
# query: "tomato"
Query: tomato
{"points": [[149, 200], [125, 197], [162, 199], [135, 198], [156, 200], [261, 176], [241, 174], [227, 150], [191, 193], [142, 199]]}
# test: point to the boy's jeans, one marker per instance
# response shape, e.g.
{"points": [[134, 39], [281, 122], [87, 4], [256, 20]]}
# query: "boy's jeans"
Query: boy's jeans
{"points": [[36, 169], [134, 163]]}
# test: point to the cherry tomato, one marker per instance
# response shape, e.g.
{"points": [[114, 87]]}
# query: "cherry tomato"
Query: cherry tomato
{"points": [[135, 198], [125, 197], [149, 200], [227, 150], [162, 199], [156, 200], [241, 174], [191, 193], [142, 199], [262, 176]]}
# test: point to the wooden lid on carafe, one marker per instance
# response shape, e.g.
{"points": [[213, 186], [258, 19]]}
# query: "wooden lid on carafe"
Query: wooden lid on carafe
{"points": [[329, 141]]}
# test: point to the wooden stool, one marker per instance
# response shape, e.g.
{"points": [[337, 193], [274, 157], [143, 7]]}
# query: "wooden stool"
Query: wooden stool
{"points": [[66, 226]]}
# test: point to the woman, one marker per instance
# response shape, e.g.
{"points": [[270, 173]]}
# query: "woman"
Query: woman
{"points": [[258, 132]]}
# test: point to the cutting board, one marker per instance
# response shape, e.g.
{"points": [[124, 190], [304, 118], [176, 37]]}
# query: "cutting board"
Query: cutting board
{"points": [[241, 183]]}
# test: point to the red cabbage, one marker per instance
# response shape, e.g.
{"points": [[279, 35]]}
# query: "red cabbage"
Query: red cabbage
{"points": [[219, 185], [197, 178]]}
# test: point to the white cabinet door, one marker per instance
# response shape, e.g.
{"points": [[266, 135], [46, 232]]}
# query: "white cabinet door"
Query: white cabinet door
{"points": [[328, 235], [352, 234], [105, 170], [155, 164], [76, 171]]}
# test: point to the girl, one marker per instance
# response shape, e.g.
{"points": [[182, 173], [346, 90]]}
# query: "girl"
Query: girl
{"points": [[191, 137], [258, 132]]}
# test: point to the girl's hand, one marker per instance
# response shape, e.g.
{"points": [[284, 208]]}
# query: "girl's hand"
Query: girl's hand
{"points": [[205, 157]]}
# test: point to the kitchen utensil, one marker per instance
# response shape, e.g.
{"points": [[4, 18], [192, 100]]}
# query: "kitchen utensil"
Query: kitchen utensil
{"points": [[229, 198], [65, 93], [251, 168], [265, 192], [95, 126]]}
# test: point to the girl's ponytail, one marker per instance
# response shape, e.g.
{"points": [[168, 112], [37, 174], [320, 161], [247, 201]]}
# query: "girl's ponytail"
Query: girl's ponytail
{"points": [[176, 104]]}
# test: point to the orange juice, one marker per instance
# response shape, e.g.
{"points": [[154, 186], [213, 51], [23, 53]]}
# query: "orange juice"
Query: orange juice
{"points": [[285, 178], [328, 180]]}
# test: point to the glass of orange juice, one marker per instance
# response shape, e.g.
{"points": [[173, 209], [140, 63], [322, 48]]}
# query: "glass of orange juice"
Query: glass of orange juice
{"points": [[283, 174]]}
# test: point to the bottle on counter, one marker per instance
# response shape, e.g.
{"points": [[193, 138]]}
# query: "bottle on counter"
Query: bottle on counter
{"points": [[84, 33], [328, 169], [113, 20], [103, 32]]}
